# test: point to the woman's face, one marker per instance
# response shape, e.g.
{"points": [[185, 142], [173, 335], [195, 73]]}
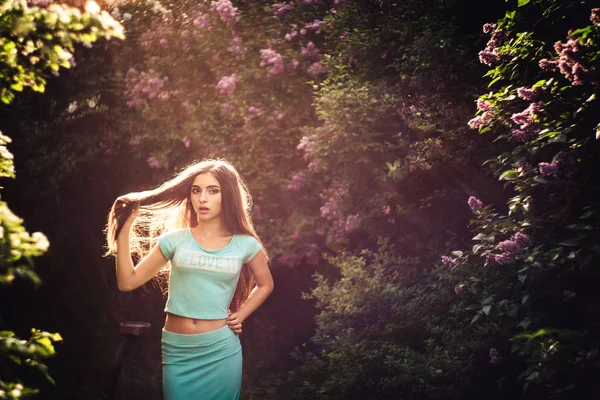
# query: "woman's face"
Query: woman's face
{"points": [[206, 197]]}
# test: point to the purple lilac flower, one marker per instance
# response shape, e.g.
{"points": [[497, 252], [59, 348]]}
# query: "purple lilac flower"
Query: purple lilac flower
{"points": [[280, 9], [225, 109], [201, 21], [314, 26], [548, 65], [558, 167], [480, 120], [528, 127], [314, 166], [548, 169], [313, 255], [310, 51], [296, 234], [227, 84], [39, 3], [526, 93], [522, 239], [235, 47], [271, 58], [316, 68], [570, 63], [292, 65], [253, 112], [352, 223], [488, 56], [186, 142], [298, 182], [523, 166], [449, 261], [475, 204], [512, 248], [495, 356], [595, 16], [305, 144], [488, 28], [329, 210], [521, 118], [386, 210], [523, 136], [509, 247], [503, 258], [143, 86], [459, 289], [490, 259], [153, 162], [227, 12], [483, 106], [290, 36]]}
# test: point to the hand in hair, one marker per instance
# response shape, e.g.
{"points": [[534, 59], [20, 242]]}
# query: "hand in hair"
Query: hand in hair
{"points": [[127, 199], [125, 209]]}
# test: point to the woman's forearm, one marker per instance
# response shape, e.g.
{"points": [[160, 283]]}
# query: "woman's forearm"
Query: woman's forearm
{"points": [[258, 295], [125, 268]]}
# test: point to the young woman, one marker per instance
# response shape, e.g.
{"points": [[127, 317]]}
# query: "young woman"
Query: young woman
{"points": [[218, 273]]}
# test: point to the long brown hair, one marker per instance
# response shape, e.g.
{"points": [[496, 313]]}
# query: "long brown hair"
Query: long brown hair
{"points": [[169, 207]]}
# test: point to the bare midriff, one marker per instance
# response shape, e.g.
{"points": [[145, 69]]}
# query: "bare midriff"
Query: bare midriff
{"points": [[178, 324]]}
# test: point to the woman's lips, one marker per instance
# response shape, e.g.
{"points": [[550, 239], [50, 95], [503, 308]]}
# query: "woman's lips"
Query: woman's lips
{"points": [[203, 210]]}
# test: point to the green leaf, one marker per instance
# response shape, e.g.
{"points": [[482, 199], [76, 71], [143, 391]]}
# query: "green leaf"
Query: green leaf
{"points": [[494, 81], [480, 236], [541, 332], [570, 242], [487, 309], [548, 134], [538, 84], [521, 3], [477, 247], [509, 175]]}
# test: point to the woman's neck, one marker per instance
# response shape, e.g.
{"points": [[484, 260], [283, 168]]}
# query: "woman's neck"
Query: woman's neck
{"points": [[212, 228]]}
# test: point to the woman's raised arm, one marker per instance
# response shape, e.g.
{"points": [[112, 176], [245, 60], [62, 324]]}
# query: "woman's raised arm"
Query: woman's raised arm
{"points": [[130, 277]]}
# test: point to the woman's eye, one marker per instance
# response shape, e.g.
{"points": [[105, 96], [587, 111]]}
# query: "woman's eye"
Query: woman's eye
{"points": [[195, 191], [214, 191]]}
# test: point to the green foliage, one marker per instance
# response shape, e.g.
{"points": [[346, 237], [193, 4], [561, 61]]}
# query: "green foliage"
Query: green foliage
{"points": [[20, 353], [33, 41], [7, 168], [374, 145], [543, 103], [17, 247], [382, 336]]}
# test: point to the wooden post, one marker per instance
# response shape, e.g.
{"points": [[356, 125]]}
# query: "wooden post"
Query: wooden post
{"points": [[130, 331]]}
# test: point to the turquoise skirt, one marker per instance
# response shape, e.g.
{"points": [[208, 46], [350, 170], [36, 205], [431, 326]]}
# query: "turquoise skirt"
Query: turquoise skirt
{"points": [[205, 366]]}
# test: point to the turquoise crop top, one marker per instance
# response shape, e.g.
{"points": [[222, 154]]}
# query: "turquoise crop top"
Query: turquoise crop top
{"points": [[202, 282]]}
